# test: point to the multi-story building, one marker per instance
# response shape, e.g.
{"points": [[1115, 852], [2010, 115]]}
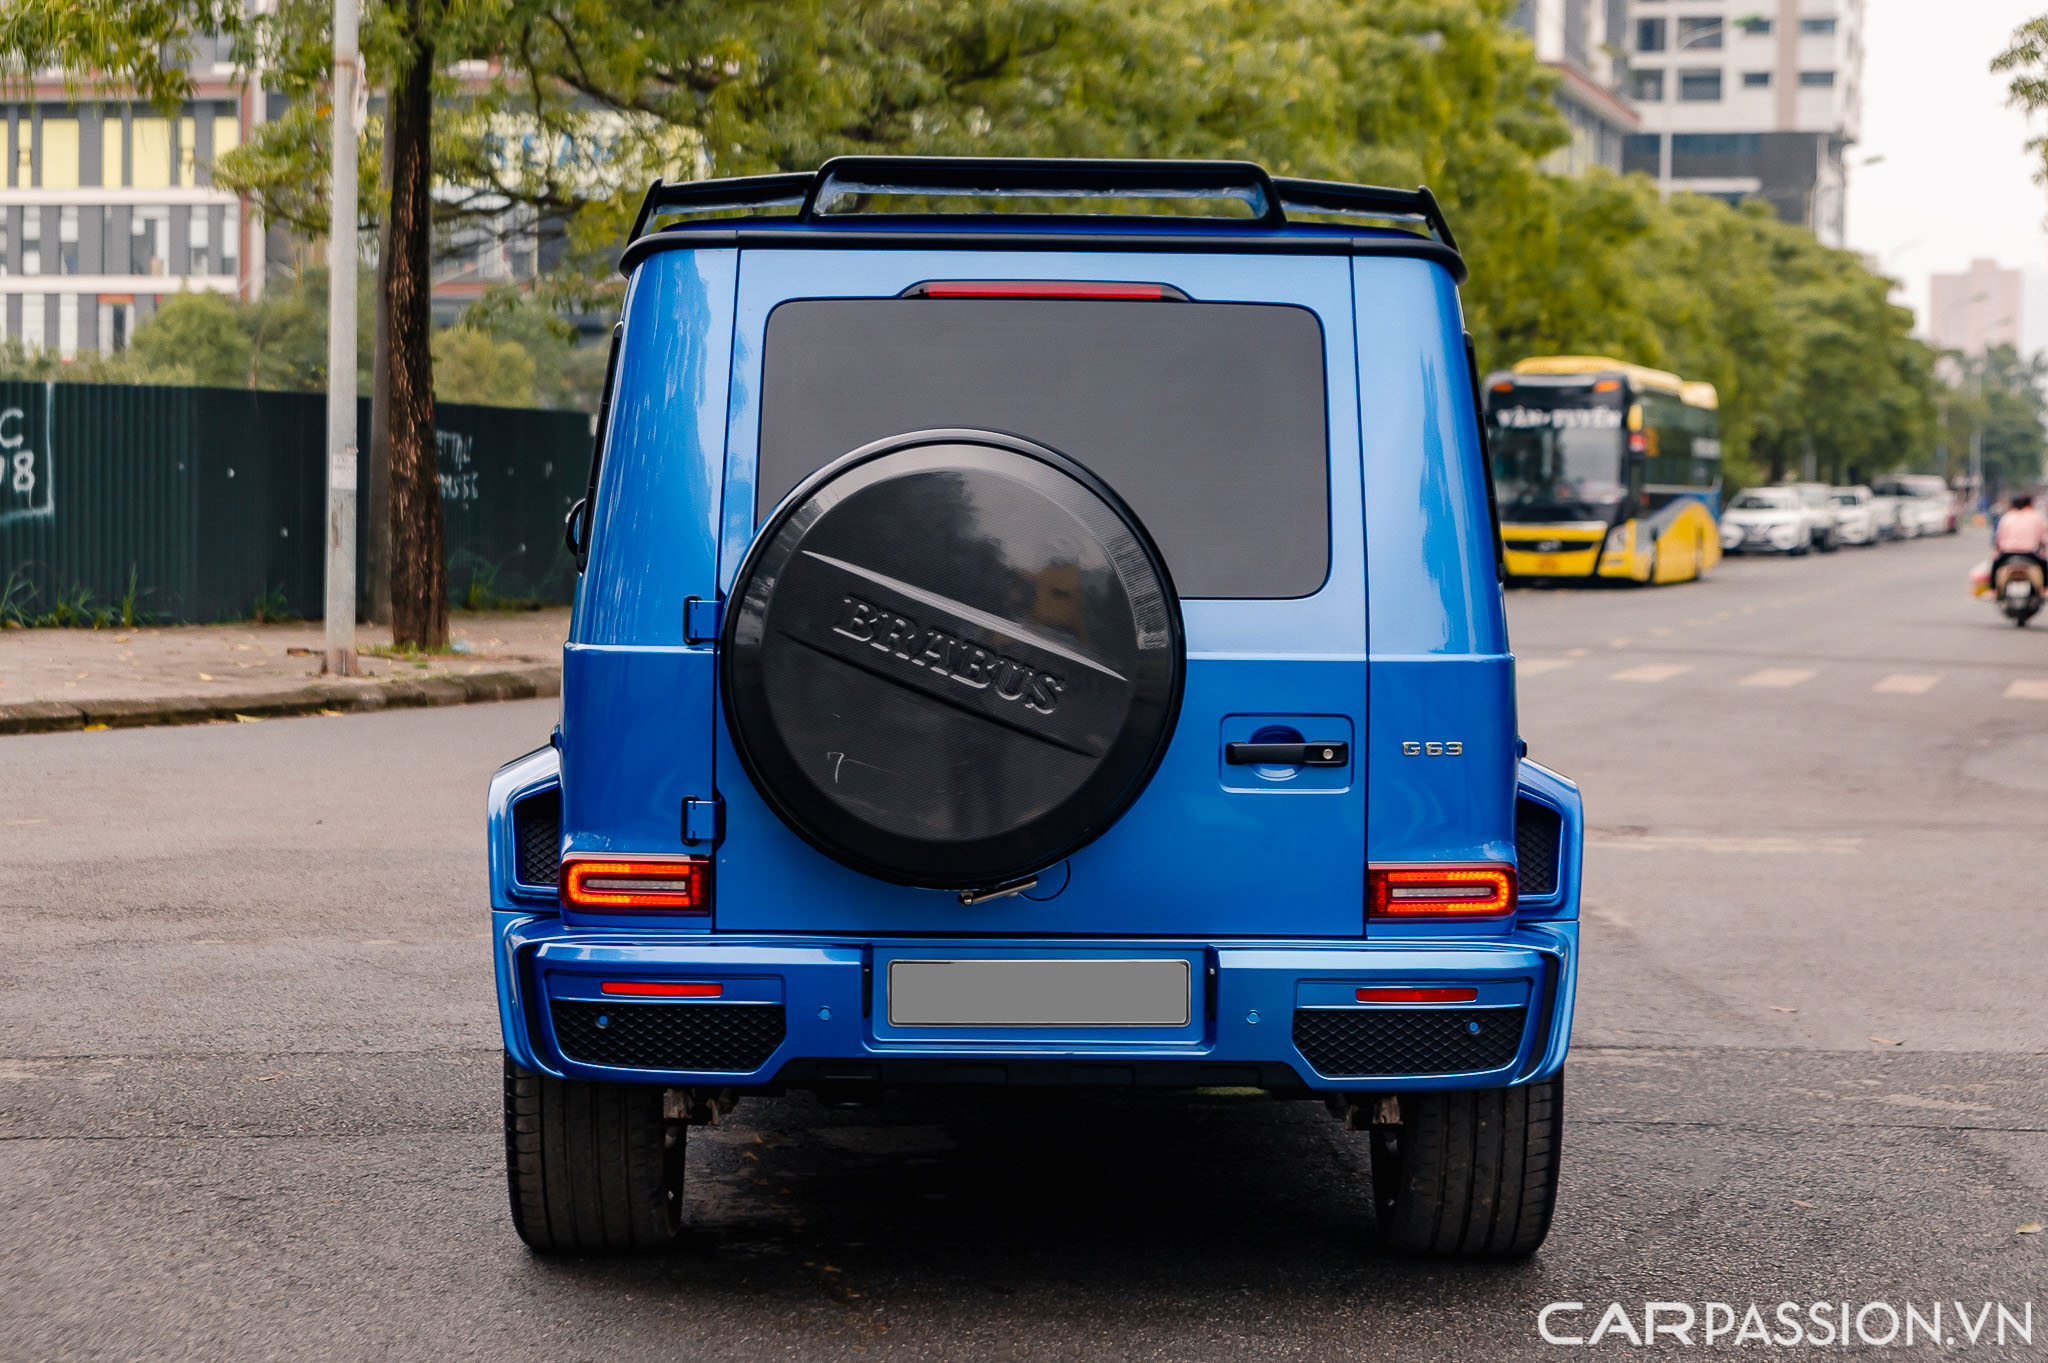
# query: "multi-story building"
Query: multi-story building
{"points": [[1581, 41], [1749, 99], [109, 204], [1975, 310]]}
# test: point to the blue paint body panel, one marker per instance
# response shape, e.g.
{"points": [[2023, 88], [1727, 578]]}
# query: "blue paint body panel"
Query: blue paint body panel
{"points": [[1257, 881]]}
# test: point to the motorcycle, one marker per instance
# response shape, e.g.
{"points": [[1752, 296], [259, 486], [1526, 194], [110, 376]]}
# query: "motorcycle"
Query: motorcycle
{"points": [[2017, 582]]}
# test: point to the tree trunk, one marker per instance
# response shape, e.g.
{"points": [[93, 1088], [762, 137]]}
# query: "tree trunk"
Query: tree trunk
{"points": [[376, 575], [419, 561]]}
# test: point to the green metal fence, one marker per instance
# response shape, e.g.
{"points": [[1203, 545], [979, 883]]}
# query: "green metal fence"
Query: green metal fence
{"points": [[207, 501]]}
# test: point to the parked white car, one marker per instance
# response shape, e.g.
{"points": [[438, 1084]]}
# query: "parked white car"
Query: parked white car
{"points": [[1937, 502], [1855, 515], [1820, 500], [1921, 502], [1768, 520]]}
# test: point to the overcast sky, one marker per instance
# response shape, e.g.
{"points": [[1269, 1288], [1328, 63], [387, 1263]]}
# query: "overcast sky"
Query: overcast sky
{"points": [[1956, 181]]}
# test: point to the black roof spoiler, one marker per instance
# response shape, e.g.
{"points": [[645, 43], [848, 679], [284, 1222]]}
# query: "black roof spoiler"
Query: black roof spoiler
{"points": [[815, 195]]}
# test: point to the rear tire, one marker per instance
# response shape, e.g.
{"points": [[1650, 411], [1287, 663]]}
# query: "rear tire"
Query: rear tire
{"points": [[1470, 1175], [593, 1168]]}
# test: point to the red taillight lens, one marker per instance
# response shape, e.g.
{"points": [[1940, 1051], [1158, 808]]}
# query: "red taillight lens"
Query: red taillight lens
{"points": [[666, 885], [1467, 995], [649, 989], [1440, 891], [1045, 288]]}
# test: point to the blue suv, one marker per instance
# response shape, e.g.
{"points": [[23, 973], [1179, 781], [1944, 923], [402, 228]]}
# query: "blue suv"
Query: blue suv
{"points": [[1040, 627]]}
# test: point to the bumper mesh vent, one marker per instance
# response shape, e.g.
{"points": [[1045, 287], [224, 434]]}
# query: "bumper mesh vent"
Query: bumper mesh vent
{"points": [[735, 1037], [537, 829], [1338, 1041], [1537, 827]]}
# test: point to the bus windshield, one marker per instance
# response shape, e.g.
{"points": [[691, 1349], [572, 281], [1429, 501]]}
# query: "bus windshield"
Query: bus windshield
{"points": [[1557, 454]]}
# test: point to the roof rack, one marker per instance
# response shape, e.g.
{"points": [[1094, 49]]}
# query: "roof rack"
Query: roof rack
{"points": [[820, 195]]}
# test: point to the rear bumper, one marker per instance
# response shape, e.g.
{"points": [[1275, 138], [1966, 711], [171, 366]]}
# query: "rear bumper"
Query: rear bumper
{"points": [[804, 1012]]}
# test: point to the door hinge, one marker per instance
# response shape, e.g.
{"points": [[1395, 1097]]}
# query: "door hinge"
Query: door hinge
{"points": [[700, 620], [703, 820]]}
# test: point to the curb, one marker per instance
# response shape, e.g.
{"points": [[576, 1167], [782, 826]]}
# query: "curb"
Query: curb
{"points": [[49, 716]]}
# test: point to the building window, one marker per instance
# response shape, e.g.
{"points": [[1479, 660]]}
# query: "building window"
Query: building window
{"points": [[1754, 27], [199, 246], [67, 325], [33, 333], [32, 240], [149, 241], [230, 239], [1756, 80], [3, 242], [1716, 144], [1649, 35], [227, 135], [1817, 79], [60, 153], [1700, 86], [67, 240], [1642, 144], [1699, 34], [1646, 86], [1819, 26], [116, 321], [150, 153]]}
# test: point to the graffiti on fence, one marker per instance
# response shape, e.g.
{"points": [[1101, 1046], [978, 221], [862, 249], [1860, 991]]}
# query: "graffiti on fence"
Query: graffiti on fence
{"points": [[453, 452], [25, 485]]}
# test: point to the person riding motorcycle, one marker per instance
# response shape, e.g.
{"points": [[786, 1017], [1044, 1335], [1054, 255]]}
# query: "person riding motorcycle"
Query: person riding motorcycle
{"points": [[2021, 544], [2022, 530]]}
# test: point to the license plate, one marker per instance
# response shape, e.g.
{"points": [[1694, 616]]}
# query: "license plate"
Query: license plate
{"points": [[1088, 992]]}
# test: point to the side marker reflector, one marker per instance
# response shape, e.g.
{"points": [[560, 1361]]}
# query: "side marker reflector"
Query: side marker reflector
{"points": [[1467, 995], [648, 989]]}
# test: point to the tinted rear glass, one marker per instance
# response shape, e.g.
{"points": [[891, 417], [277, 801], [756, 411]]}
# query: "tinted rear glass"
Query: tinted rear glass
{"points": [[1207, 418]]}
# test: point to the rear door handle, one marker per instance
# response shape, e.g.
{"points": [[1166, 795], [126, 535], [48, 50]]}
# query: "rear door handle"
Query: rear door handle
{"points": [[1287, 754]]}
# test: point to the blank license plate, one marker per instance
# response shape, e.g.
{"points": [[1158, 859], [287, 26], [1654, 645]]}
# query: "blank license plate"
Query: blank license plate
{"points": [[1148, 992]]}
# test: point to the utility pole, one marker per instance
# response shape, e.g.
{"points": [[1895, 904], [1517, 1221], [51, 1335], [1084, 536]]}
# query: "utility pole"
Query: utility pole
{"points": [[341, 353]]}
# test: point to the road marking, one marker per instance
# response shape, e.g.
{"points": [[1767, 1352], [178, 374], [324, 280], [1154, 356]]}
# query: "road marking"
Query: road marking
{"points": [[1577, 652], [1619, 643], [1681, 842], [2027, 689], [1530, 667], [1661, 629], [1908, 683], [1778, 676], [1651, 672]]}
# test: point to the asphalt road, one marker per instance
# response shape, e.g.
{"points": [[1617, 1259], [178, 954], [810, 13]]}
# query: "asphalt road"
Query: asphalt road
{"points": [[249, 1067]]}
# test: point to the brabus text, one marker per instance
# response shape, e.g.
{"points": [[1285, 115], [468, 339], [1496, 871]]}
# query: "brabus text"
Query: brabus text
{"points": [[970, 665]]}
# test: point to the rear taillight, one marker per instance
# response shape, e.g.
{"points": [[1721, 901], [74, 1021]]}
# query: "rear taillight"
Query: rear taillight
{"points": [[638, 885], [1486, 891]]}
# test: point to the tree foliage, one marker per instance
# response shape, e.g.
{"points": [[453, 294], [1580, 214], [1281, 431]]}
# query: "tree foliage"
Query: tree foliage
{"points": [[587, 101]]}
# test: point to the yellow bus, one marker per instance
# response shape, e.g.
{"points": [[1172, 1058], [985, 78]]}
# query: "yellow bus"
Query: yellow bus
{"points": [[1605, 469]]}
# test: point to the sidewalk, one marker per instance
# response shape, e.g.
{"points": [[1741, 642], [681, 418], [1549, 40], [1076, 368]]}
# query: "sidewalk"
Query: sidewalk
{"points": [[189, 674]]}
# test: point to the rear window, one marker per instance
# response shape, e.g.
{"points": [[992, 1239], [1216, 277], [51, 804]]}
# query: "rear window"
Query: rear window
{"points": [[1207, 418]]}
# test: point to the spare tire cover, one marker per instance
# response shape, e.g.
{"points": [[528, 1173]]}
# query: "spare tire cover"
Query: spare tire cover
{"points": [[951, 658]]}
